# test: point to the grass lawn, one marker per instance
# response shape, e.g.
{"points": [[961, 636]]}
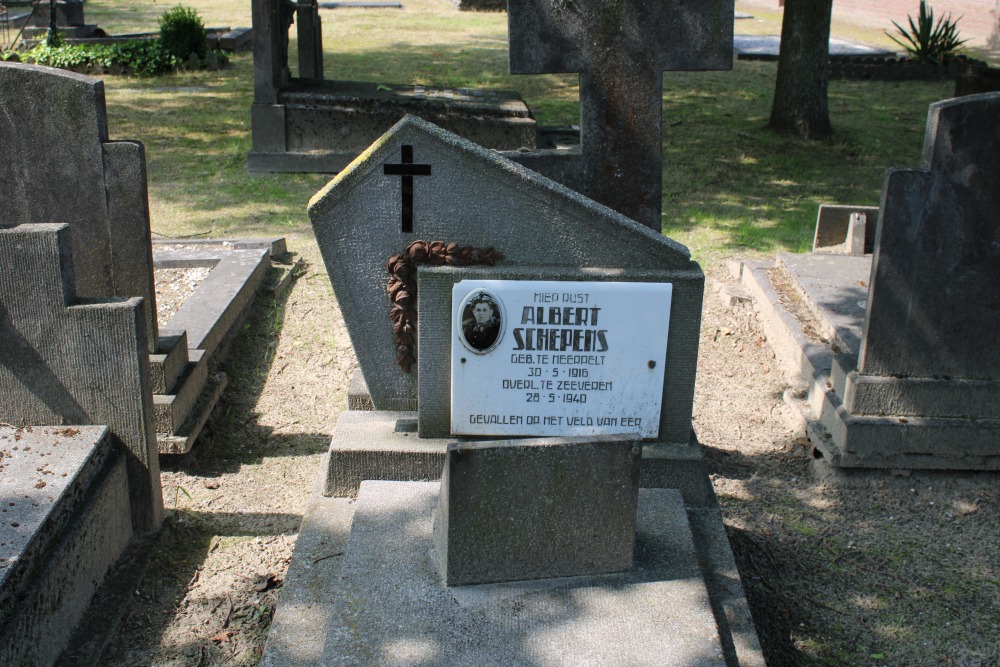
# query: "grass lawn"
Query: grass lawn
{"points": [[730, 186]]}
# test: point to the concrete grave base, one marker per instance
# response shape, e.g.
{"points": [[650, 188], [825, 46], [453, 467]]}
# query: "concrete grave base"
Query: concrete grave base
{"points": [[384, 445], [195, 340], [363, 589], [812, 308], [321, 126], [64, 521]]}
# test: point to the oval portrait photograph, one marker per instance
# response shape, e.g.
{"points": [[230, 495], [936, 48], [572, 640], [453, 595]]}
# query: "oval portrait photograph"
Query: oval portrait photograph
{"points": [[482, 321]]}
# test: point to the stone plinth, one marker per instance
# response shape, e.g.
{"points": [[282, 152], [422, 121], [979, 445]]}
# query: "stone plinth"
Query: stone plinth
{"points": [[515, 510]]}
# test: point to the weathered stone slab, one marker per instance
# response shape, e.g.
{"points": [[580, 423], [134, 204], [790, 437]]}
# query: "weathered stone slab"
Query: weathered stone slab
{"points": [[835, 290], [64, 521], [515, 510], [470, 193], [381, 445], [58, 166], [659, 612], [934, 306], [67, 362]]}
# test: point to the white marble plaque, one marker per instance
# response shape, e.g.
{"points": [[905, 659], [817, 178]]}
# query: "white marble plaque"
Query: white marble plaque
{"points": [[542, 358]]}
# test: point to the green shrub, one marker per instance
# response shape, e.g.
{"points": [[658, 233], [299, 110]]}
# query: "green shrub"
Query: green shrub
{"points": [[141, 57], [182, 32], [927, 41]]}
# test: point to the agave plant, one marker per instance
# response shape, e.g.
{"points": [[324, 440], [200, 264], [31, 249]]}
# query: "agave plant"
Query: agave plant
{"points": [[927, 41]]}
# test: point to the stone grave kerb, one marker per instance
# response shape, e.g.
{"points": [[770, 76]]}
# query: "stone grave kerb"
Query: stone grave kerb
{"points": [[620, 50], [475, 197], [57, 165], [66, 360], [934, 296]]}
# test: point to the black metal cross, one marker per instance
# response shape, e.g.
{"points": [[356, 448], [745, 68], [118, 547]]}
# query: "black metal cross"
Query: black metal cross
{"points": [[407, 170]]}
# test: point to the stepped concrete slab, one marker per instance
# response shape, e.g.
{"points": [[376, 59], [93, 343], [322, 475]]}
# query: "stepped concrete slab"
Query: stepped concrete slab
{"points": [[208, 319], [169, 362], [171, 410], [64, 520], [46, 331], [181, 440], [222, 299], [384, 445], [914, 419], [363, 589]]}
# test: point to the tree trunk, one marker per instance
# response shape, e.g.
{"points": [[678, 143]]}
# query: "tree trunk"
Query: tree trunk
{"points": [[800, 99]]}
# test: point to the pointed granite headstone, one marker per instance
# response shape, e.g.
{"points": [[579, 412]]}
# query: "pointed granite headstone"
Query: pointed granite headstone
{"points": [[419, 182]]}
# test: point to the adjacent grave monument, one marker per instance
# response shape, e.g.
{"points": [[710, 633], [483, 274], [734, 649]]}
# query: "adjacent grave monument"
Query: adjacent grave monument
{"points": [[620, 51], [907, 372], [57, 164], [482, 298], [309, 123], [73, 495]]}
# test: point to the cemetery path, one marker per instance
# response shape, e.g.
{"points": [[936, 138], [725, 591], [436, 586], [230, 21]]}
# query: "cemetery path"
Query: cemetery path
{"points": [[878, 570]]}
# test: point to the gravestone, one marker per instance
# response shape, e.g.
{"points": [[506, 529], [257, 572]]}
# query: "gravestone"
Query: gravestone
{"points": [[61, 167], [308, 123], [366, 215], [910, 377], [68, 360], [620, 50], [541, 550], [935, 288], [845, 229], [79, 473], [58, 166]]}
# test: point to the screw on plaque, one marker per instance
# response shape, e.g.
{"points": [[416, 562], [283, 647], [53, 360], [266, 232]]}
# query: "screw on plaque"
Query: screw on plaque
{"points": [[463, 360], [651, 364]]}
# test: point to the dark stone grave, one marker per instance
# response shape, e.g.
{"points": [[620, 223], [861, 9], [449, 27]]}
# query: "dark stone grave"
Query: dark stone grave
{"points": [[620, 51], [905, 371], [312, 124]]}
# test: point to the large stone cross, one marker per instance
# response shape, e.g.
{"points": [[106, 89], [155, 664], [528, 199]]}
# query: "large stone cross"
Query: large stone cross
{"points": [[620, 48]]}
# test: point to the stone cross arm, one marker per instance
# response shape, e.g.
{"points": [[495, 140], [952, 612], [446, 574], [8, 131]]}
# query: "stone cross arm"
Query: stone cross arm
{"points": [[548, 36]]}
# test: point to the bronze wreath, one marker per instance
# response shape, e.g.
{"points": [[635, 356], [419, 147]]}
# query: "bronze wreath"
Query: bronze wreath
{"points": [[402, 286]]}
